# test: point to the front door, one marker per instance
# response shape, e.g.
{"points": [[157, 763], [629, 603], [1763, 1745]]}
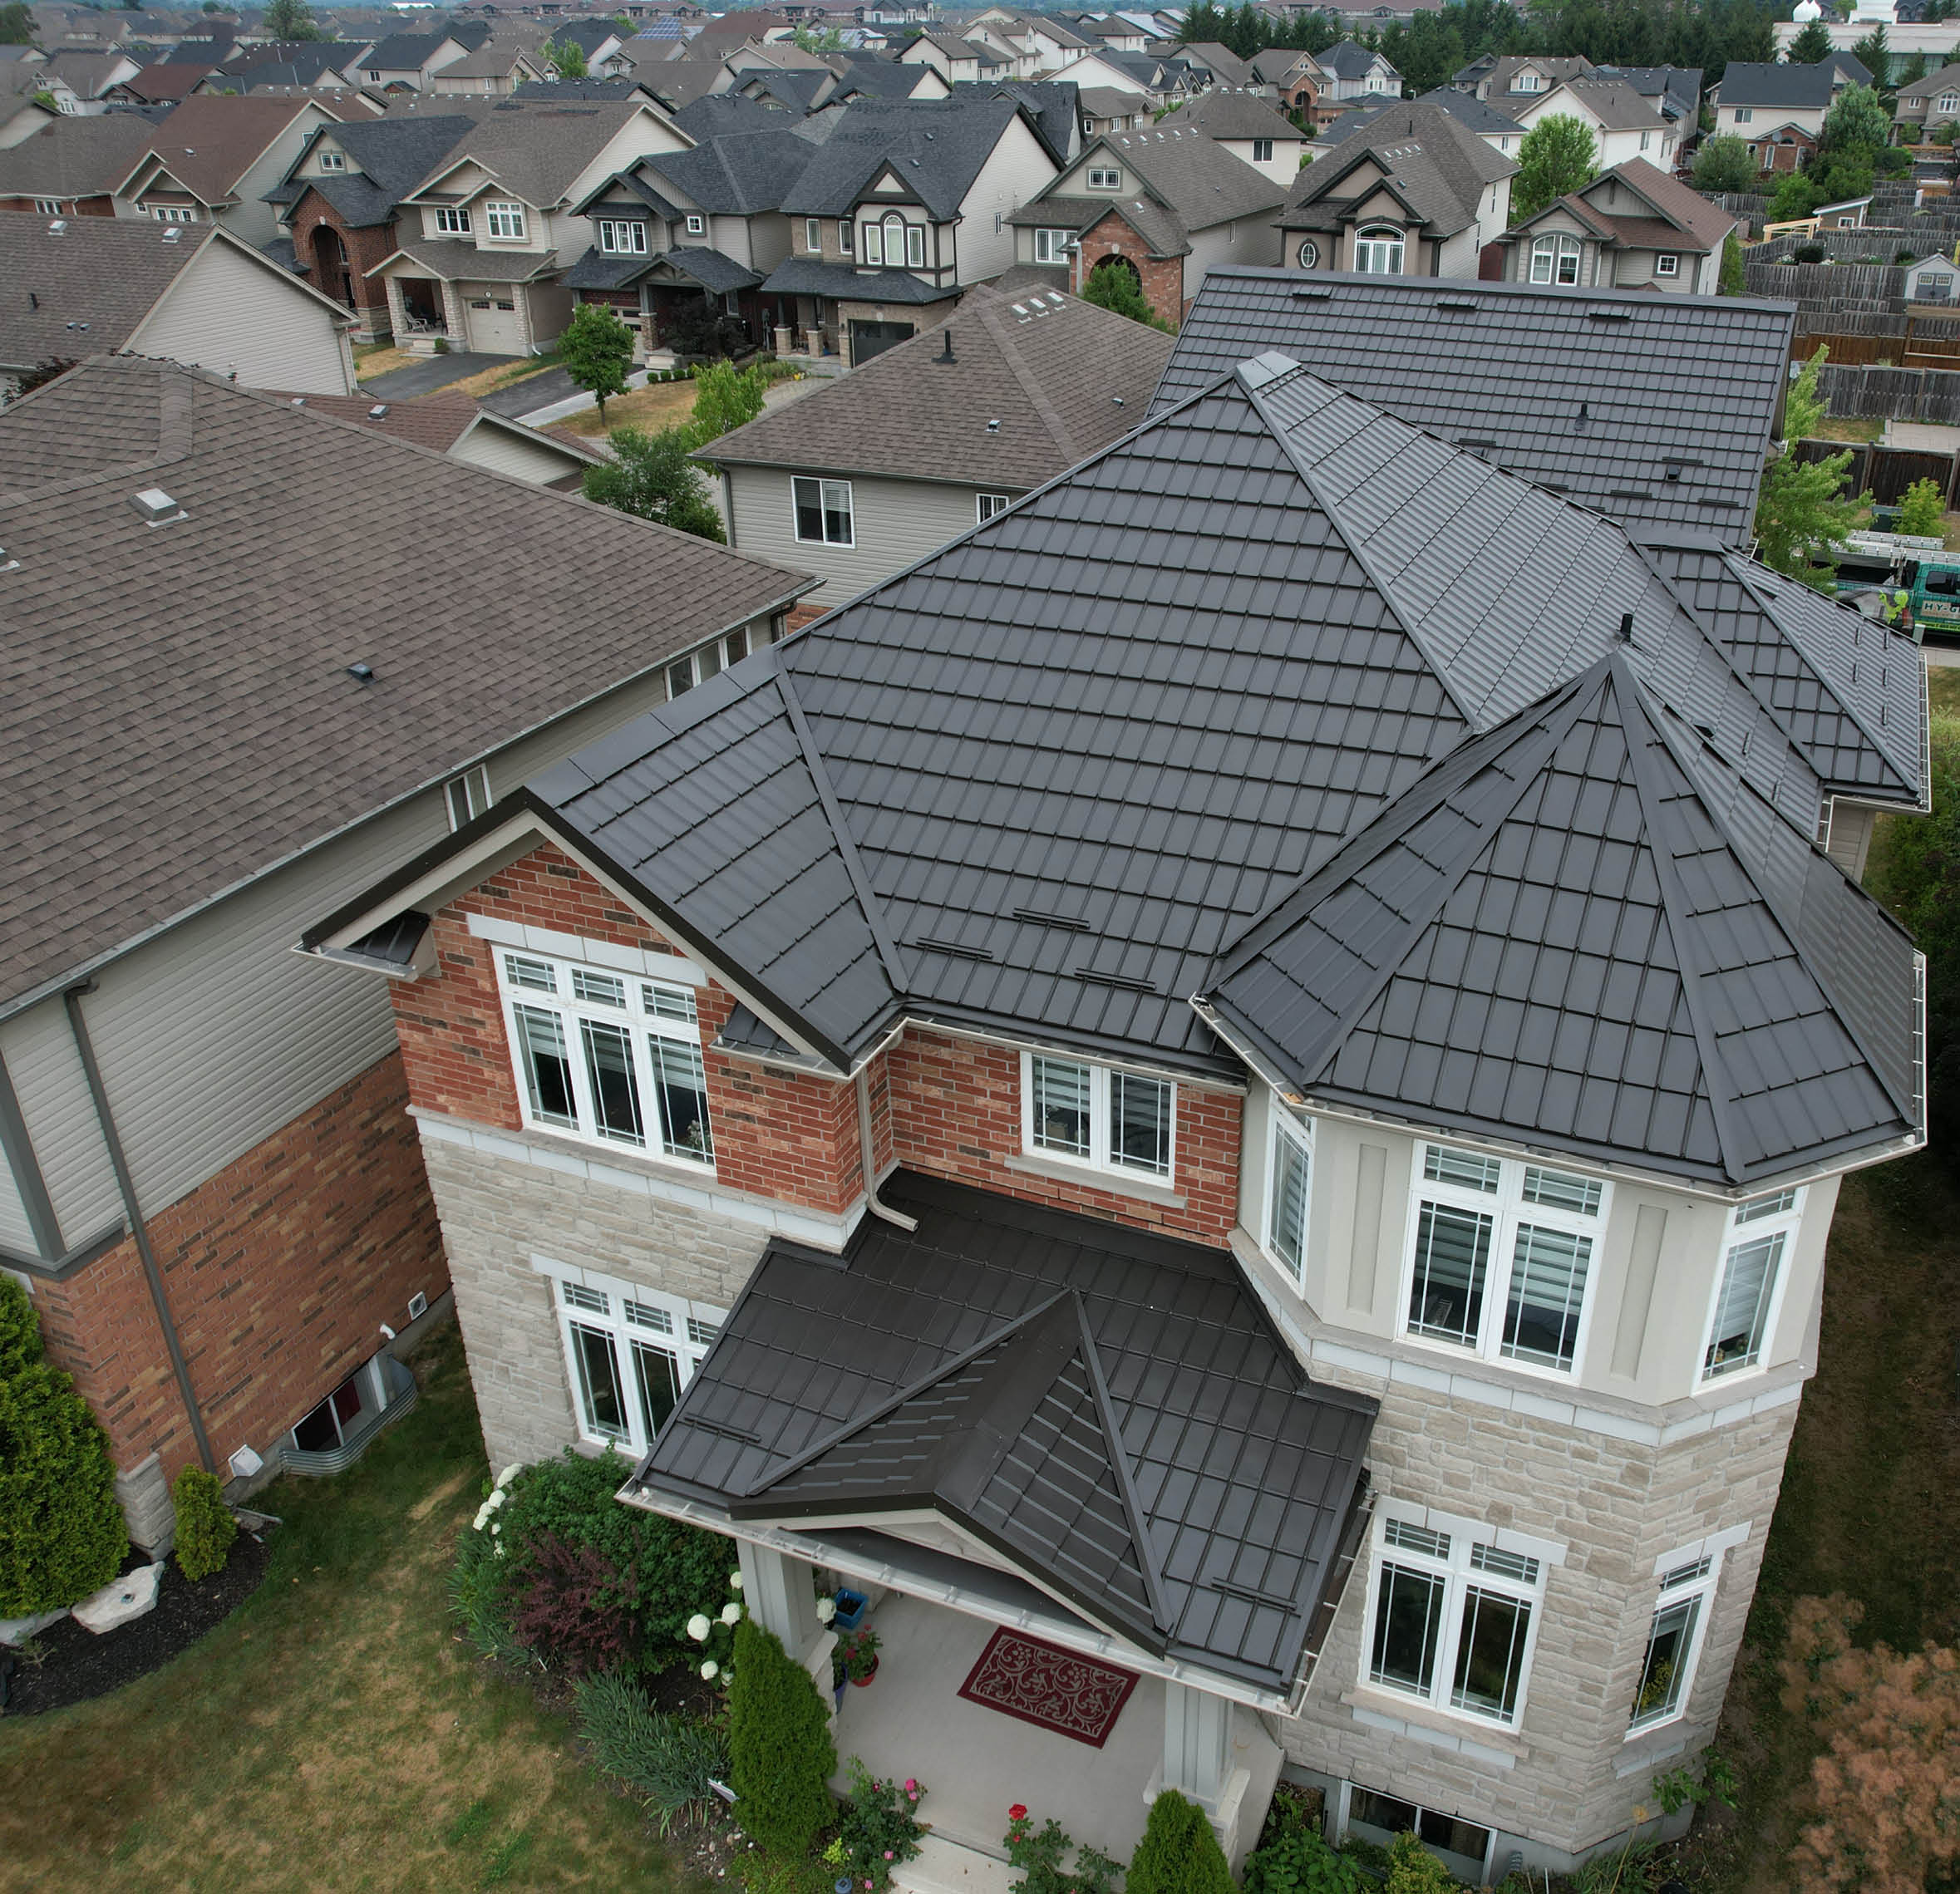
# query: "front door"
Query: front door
{"points": [[495, 327], [868, 339]]}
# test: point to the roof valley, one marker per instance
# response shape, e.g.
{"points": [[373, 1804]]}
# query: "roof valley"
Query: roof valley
{"points": [[990, 317]]}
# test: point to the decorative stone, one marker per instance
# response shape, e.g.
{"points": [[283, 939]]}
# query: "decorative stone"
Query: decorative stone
{"points": [[129, 1596], [18, 1630]]}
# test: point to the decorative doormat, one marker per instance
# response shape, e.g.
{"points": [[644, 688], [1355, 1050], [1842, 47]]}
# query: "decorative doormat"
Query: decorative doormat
{"points": [[1042, 1683]]}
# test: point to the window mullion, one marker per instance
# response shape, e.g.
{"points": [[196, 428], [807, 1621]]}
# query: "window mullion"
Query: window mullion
{"points": [[1442, 1679], [589, 1117], [1099, 1116]]}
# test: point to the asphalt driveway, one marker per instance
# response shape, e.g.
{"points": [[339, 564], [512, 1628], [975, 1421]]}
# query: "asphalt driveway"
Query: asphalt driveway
{"points": [[425, 378]]}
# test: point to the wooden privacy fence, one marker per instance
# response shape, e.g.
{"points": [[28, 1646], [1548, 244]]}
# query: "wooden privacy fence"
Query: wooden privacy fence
{"points": [[1885, 472], [1852, 393]]}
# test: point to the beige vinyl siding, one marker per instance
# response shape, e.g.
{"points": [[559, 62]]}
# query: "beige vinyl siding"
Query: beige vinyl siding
{"points": [[252, 217], [234, 316], [14, 1233], [1245, 242], [1018, 168], [215, 1034], [507, 453], [1850, 837], [897, 522]]}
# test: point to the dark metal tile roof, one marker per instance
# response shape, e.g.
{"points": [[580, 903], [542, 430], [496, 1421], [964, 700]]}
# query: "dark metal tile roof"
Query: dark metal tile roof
{"points": [[1594, 394], [1107, 1408], [1567, 933]]}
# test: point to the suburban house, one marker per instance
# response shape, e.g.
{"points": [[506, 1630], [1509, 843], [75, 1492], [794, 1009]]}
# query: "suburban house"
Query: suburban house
{"points": [[955, 60], [214, 158], [1657, 411], [71, 167], [1929, 103], [167, 83], [1354, 72], [208, 1179], [340, 203], [1504, 135], [498, 224], [1053, 108], [903, 205], [495, 69], [446, 422], [1244, 1071], [1417, 194], [89, 76], [309, 65], [1105, 108], [1167, 203], [1295, 79], [681, 226], [22, 114], [1674, 91], [1624, 126], [1756, 99], [1159, 80], [876, 468], [82, 286], [1512, 80], [1248, 127], [408, 63], [1632, 227], [1217, 65]]}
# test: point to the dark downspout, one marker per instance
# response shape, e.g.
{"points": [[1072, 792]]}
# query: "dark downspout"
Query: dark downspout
{"points": [[105, 1122]]}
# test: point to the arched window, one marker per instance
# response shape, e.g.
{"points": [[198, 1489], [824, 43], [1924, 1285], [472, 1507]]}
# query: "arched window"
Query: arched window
{"points": [[895, 239], [1555, 259], [1309, 254], [1378, 250]]}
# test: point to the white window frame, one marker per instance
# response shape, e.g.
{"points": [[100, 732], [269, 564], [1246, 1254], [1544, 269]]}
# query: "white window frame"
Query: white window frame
{"points": [[1308, 256], [697, 225], [1667, 263], [1689, 1579], [872, 248], [622, 236], [1744, 115], [520, 974], [985, 505], [452, 219], [174, 212], [332, 160], [1509, 1210], [915, 246], [625, 1320], [1051, 246], [698, 666], [847, 238], [1459, 1569], [1100, 1156], [467, 796], [1104, 177], [48, 206], [1775, 1216], [508, 213], [1292, 1137], [1261, 151], [1375, 245], [1948, 102], [1554, 251], [824, 509]]}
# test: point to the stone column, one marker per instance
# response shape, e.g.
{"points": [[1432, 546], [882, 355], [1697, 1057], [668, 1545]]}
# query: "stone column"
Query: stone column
{"points": [[1200, 1762], [781, 1598]]}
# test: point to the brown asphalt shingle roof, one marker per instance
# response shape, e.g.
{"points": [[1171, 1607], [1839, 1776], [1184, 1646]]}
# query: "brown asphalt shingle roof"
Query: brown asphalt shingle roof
{"points": [[211, 141], [175, 711], [76, 157], [537, 148], [105, 274], [436, 422], [1063, 377]]}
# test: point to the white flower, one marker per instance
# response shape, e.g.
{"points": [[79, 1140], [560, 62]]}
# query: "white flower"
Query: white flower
{"points": [[511, 1473], [731, 1613], [495, 1500], [826, 1610], [500, 1552], [482, 1517], [735, 1581], [495, 1528], [710, 1670], [698, 1627]]}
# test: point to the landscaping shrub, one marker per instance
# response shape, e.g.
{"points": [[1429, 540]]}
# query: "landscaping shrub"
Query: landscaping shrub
{"points": [[1037, 1854], [1922, 510], [205, 1527], [1178, 1854], [570, 1606], [479, 1597], [1297, 1861], [669, 1759], [780, 1752], [62, 1533], [879, 1829], [1412, 1869]]}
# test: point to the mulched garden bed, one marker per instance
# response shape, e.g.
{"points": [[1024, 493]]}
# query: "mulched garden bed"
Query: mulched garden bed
{"points": [[66, 1665]]}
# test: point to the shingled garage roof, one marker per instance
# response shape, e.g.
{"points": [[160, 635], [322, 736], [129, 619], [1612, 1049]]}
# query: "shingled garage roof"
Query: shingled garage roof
{"points": [[1654, 409], [1108, 1409], [175, 710], [1060, 377], [1582, 927], [1038, 781]]}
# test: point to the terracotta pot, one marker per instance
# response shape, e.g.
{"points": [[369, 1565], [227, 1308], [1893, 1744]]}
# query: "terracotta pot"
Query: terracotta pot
{"points": [[861, 1681]]}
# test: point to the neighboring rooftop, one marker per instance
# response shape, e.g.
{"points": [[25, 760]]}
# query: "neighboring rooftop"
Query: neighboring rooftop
{"points": [[1801, 88], [536, 148], [1656, 410], [76, 157], [1469, 110], [1225, 112], [937, 145], [1435, 166], [176, 713], [394, 155], [209, 142], [1061, 377]]}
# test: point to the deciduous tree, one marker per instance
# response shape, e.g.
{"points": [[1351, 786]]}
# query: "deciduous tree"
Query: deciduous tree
{"points": [[566, 58], [289, 19], [653, 479], [1558, 155], [1802, 515], [1724, 164], [1113, 285], [597, 351]]}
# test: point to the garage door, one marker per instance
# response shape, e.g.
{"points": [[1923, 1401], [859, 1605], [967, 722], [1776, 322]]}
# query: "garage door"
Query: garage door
{"points": [[495, 328], [868, 339]]}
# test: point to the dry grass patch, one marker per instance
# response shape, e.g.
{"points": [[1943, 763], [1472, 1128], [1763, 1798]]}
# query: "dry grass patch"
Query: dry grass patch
{"points": [[663, 404], [333, 1733], [486, 381], [383, 359]]}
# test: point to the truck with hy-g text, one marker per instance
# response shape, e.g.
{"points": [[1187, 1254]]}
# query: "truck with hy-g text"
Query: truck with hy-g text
{"points": [[1905, 580]]}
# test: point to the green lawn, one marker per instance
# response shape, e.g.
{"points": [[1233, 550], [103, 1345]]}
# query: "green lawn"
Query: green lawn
{"points": [[333, 1732]]}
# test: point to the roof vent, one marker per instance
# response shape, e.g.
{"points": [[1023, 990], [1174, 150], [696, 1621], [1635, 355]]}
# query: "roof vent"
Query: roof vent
{"points": [[379, 411], [361, 673], [1313, 295], [172, 234], [299, 400], [994, 427], [7, 564], [1117, 400], [1610, 315], [1583, 419], [946, 358], [1456, 302], [59, 228], [1626, 631], [156, 507]]}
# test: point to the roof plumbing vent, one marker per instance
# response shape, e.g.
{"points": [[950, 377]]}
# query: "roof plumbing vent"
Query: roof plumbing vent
{"points": [[156, 507], [379, 411], [59, 228], [361, 673], [994, 427], [945, 358], [1626, 631]]}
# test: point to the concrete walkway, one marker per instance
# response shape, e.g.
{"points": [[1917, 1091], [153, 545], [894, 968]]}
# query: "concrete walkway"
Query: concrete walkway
{"points": [[425, 378]]}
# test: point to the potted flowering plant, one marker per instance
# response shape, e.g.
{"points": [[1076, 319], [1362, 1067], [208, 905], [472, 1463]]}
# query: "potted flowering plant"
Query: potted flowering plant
{"points": [[879, 1828], [859, 1649]]}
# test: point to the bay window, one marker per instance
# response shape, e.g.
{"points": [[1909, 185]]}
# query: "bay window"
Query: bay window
{"points": [[1097, 1116], [1501, 1257], [1749, 1286], [1451, 1617], [606, 1056], [1288, 1178], [630, 1351]]}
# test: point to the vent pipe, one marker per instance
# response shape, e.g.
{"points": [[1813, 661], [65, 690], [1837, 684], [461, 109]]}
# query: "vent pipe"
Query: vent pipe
{"points": [[945, 358]]}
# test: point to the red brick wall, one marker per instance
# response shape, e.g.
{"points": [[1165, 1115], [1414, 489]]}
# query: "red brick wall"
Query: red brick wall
{"points": [[77, 206], [956, 1110], [1162, 277], [777, 1134], [366, 248], [279, 1273]]}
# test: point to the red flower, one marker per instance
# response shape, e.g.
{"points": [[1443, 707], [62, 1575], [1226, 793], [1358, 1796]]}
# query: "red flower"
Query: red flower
{"points": [[1018, 1812]]}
